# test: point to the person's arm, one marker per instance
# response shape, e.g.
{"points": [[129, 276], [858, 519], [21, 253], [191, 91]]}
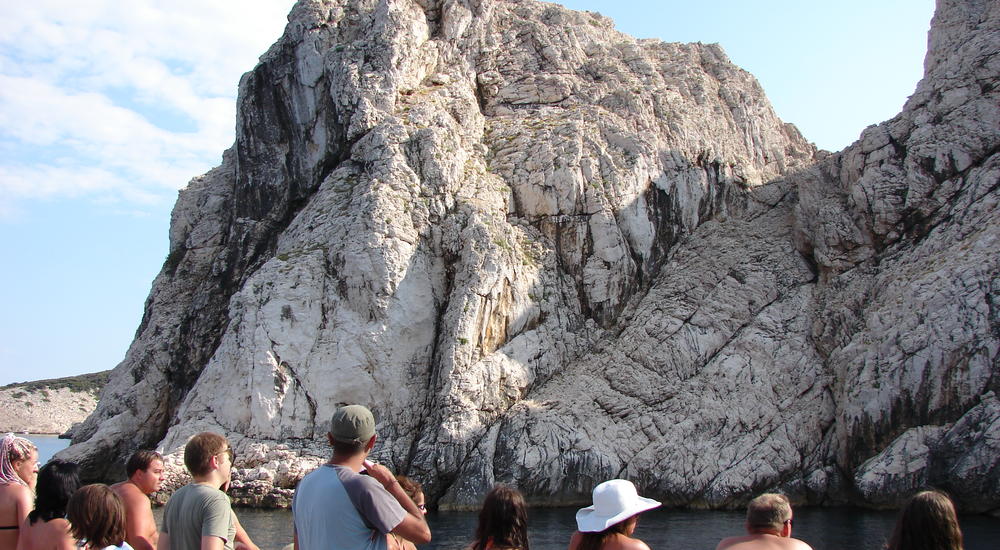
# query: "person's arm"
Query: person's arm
{"points": [[414, 527], [295, 538], [243, 541]]}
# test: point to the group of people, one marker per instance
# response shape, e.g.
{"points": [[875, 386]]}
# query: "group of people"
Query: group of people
{"points": [[50, 509], [349, 503]]}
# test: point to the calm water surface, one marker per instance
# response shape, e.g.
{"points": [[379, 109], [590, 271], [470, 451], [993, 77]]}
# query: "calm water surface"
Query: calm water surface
{"points": [[550, 528], [48, 445]]}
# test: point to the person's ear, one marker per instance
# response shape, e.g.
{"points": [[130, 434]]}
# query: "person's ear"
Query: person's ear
{"points": [[371, 443], [329, 438], [786, 529]]}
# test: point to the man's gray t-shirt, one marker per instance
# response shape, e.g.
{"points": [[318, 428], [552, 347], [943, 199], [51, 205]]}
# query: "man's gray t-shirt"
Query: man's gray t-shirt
{"points": [[335, 508], [196, 511]]}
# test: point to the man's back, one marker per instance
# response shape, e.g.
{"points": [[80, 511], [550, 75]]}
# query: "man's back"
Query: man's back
{"points": [[335, 507], [762, 542], [195, 511], [140, 527]]}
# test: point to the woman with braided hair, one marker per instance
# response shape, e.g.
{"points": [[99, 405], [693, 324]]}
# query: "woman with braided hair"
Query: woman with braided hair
{"points": [[18, 472]]}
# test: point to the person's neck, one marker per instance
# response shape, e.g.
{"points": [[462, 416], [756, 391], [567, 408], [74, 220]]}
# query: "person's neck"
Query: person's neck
{"points": [[212, 479], [129, 481], [353, 462]]}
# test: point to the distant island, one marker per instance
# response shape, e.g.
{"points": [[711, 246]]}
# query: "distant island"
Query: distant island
{"points": [[50, 406]]}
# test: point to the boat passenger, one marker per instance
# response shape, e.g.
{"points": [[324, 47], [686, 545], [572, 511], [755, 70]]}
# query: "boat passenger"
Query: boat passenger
{"points": [[18, 473], [609, 523], [927, 522], [46, 527], [503, 521]]}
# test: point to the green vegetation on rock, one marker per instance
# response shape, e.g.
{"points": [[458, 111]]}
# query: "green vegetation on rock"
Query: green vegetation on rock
{"points": [[91, 383]]}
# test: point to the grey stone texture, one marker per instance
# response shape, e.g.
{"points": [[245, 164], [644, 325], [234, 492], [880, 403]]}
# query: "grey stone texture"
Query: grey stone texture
{"points": [[548, 254]]}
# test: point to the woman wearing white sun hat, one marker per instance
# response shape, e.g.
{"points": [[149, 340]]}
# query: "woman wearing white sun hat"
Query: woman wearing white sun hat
{"points": [[610, 522]]}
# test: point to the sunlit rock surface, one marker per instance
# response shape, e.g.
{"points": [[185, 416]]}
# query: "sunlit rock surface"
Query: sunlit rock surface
{"points": [[548, 254]]}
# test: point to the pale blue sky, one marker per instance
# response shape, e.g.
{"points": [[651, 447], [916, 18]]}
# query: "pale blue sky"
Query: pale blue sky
{"points": [[107, 107]]}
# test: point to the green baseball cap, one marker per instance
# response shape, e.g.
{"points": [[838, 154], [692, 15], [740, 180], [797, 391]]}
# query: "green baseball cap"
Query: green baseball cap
{"points": [[352, 423]]}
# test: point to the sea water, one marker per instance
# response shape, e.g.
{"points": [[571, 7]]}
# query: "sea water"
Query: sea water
{"points": [[661, 529], [551, 528]]}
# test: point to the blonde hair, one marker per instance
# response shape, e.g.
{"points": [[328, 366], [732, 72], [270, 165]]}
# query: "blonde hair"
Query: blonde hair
{"points": [[13, 449]]}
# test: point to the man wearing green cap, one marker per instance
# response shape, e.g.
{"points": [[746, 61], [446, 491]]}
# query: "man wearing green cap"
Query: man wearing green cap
{"points": [[337, 508]]}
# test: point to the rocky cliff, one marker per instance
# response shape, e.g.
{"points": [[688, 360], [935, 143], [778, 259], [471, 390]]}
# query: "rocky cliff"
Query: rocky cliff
{"points": [[548, 254], [49, 406]]}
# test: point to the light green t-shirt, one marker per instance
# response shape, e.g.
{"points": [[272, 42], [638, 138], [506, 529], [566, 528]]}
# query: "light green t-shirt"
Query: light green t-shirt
{"points": [[196, 511]]}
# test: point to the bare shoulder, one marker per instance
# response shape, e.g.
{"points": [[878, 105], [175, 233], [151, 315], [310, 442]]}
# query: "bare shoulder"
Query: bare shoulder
{"points": [[130, 494], [633, 544], [730, 541], [796, 544]]}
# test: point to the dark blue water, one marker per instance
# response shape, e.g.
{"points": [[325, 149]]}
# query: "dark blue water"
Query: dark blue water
{"points": [[550, 528]]}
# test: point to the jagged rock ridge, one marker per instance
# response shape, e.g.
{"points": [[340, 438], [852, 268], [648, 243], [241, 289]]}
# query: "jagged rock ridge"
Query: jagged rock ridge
{"points": [[549, 254]]}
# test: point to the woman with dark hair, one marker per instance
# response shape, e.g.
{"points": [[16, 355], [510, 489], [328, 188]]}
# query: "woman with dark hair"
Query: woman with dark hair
{"points": [[927, 522], [46, 527], [97, 516], [609, 523], [503, 521], [18, 472]]}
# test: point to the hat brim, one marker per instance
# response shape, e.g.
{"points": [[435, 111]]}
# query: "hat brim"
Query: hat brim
{"points": [[589, 521]]}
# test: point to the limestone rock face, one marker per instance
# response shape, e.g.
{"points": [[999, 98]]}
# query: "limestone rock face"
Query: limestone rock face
{"points": [[548, 254], [43, 411]]}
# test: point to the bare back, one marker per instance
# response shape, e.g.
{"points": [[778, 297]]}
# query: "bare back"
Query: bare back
{"points": [[140, 527], [762, 542], [46, 535], [615, 542], [15, 503]]}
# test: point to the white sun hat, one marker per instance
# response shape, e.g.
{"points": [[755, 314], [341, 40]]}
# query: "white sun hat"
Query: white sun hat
{"points": [[614, 502]]}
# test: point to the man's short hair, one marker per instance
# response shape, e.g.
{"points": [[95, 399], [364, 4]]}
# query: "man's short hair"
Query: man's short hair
{"points": [[140, 460], [347, 448], [199, 451], [769, 511]]}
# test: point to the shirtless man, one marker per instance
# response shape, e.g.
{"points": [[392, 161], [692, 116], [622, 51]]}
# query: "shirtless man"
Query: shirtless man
{"points": [[769, 527], [145, 473]]}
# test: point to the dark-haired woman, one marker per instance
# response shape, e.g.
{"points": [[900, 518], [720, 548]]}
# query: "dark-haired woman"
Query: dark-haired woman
{"points": [[503, 521], [97, 517], [18, 472], [46, 527], [609, 523], [927, 522]]}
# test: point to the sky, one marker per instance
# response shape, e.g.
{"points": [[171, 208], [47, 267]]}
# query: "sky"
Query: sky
{"points": [[108, 108]]}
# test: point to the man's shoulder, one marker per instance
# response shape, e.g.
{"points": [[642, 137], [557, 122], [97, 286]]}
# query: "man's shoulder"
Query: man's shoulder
{"points": [[197, 492], [796, 544], [129, 493], [731, 541]]}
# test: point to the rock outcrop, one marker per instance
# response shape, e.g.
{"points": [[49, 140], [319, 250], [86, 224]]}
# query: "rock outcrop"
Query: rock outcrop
{"points": [[548, 254], [49, 406]]}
